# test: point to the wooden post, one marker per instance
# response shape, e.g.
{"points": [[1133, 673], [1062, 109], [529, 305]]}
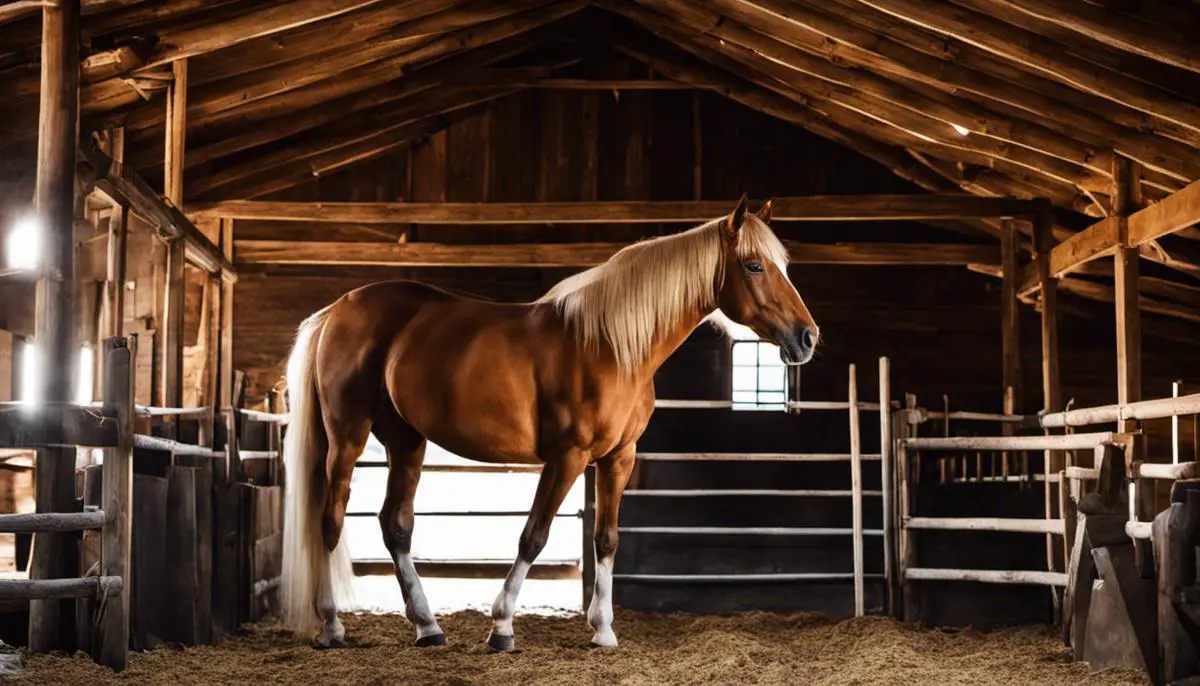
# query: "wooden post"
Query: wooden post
{"points": [[54, 555], [1126, 197], [856, 493], [112, 616], [1043, 236], [172, 338], [114, 301], [885, 473], [227, 396], [1175, 386], [1010, 326], [907, 473]]}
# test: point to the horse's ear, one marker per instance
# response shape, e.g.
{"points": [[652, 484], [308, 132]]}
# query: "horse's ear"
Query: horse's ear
{"points": [[734, 223], [764, 212]]}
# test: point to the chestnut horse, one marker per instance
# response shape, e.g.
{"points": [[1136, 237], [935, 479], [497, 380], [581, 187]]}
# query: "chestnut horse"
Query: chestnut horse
{"points": [[565, 381]]}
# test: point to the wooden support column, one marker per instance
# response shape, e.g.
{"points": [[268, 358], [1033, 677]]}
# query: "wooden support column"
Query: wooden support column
{"points": [[1126, 198], [1010, 319], [54, 554], [112, 613], [1043, 238], [171, 393], [118, 231], [226, 396]]}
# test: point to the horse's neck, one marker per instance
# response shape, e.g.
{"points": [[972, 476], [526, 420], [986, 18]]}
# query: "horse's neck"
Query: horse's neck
{"points": [[668, 342]]}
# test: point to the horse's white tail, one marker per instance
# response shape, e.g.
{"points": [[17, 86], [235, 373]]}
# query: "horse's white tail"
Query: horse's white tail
{"points": [[309, 570]]}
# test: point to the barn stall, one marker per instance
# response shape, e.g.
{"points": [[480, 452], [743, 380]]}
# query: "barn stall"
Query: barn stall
{"points": [[990, 208]]}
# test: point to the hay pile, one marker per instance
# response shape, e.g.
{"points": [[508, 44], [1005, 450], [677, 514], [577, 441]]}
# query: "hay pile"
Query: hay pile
{"points": [[748, 648]]}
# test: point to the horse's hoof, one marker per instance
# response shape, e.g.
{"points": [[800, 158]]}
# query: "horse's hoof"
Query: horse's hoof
{"points": [[604, 640], [431, 641], [333, 643], [501, 644]]}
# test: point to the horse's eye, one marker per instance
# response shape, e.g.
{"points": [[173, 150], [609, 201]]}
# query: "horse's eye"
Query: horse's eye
{"points": [[754, 267]]}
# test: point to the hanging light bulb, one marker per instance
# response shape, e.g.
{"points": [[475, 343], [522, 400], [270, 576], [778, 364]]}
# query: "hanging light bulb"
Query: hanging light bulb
{"points": [[23, 246]]}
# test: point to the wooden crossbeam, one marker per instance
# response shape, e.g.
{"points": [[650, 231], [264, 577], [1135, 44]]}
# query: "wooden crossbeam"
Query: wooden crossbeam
{"points": [[122, 185], [808, 208], [271, 19], [581, 254], [1174, 213]]}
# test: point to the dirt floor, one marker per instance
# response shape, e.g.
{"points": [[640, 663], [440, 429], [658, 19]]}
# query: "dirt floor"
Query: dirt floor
{"points": [[749, 648]]}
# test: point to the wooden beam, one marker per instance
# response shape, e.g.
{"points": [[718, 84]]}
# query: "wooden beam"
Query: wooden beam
{"points": [[269, 20], [872, 40], [1177, 211], [499, 78], [378, 61], [254, 132], [1174, 213], [1121, 31], [54, 555], [123, 186], [919, 118], [804, 208], [1104, 293], [1034, 52], [581, 254]]}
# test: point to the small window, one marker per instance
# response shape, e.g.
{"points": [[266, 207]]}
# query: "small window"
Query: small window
{"points": [[759, 376]]}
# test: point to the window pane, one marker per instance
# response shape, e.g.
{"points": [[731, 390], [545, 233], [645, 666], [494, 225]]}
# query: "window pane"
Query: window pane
{"points": [[745, 378], [770, 378], [745, 354], [745, 397], [772, 398], [768, 355]]}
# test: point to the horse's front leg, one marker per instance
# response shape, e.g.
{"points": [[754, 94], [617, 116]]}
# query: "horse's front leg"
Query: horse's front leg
{"points": [[612, 474], [557, 478]]}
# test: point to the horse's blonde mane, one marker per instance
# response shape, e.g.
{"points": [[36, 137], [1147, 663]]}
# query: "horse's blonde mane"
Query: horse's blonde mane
{"points": [[647, 287]]}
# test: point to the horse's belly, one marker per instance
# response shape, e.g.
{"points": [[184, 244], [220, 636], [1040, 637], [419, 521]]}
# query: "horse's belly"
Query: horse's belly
{"points": [[476, 401]]}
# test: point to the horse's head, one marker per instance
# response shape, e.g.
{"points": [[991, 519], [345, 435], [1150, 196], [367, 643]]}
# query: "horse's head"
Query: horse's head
{"points": [[756, 291]]}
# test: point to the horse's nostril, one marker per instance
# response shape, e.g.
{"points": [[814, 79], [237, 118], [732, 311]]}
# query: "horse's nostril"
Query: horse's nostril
{"points": [[806, 338]]}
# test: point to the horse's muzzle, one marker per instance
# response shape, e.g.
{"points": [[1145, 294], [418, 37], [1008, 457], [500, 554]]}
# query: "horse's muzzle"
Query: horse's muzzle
{"points": [[796, 346]]}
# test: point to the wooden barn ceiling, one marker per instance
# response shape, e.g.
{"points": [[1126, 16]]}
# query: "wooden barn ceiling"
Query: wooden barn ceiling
{"points": [[1024, 98]]}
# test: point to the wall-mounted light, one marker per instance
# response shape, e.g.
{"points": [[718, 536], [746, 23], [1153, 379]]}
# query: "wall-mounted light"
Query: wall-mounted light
{"points": [[31, 374], [960, 130], [23, 245], [85, 383]]}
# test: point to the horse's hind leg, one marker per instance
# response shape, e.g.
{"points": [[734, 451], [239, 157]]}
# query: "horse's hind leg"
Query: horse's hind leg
{"points": [[347, 426], [557, 477], [406, 453]]}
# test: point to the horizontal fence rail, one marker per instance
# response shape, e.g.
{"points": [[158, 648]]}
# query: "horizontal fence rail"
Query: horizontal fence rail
{"points": [[53, 522], [746, 530], [1036, 526], [44, 589], [756, 457], [1161, 408], [987, 576], [781, 577], [1060, 442], [742, 492]]}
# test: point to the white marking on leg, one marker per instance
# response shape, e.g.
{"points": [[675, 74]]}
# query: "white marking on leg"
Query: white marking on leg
{"points": [[600, 612], [506, 602], [416, 607], [333, 630]]}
